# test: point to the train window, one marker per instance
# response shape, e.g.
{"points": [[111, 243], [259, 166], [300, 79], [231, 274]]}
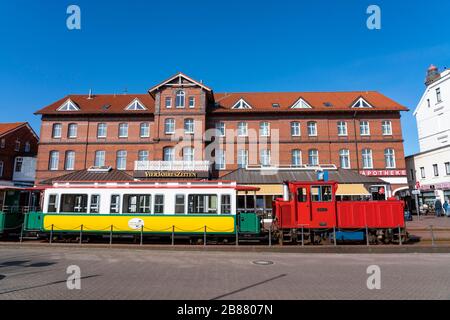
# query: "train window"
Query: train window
{"points": [[115, 203], [52, 203], [321, 194], [95, 204], [179, 204], [301, 195], [202, 204], [159, 204], [137, 203], [76, 203], [225, 204]]}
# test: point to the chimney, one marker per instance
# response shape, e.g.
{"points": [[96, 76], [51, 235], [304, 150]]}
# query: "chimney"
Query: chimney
{"points": [[432, 75]]}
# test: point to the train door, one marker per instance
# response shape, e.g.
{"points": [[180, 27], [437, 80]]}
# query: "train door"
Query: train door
{"points": [[323, 208], [303, 206]]}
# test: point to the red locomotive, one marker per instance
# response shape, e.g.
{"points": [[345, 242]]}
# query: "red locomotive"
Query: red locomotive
{"points": [[310, 213]]}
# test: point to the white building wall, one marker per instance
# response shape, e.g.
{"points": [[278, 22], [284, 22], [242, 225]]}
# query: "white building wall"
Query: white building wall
{"points": [[28, 172]]}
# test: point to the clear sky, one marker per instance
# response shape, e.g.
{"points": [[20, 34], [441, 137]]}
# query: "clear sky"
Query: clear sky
{"points": [[231, 45]]}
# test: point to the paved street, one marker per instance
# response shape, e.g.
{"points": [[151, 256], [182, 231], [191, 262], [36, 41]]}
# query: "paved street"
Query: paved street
{"points": [[40, 273]]}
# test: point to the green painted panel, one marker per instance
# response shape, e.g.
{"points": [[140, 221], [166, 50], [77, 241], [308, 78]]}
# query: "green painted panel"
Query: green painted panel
{"points": [[33, 221], [2, 222], [249, 223]]}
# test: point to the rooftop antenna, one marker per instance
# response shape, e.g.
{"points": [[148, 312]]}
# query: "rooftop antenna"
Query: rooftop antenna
{"points": [[90, 94], [125, 91]]}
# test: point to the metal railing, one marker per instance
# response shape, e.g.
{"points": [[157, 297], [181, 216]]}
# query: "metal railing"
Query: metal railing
{"points": [[19, 209], [293, 167], [172, 165]]}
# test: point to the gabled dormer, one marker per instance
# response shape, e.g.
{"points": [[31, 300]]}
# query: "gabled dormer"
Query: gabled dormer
{"points": [[136, 105], [361, 104], [301, 104], [242, 104], [69, 105]]}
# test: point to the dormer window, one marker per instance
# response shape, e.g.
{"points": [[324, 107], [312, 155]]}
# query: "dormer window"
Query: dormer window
{"points": [[69, 105], [135, 106], [301, 104], [242, 104], [361, 103], [180, 99], [275, 105]]}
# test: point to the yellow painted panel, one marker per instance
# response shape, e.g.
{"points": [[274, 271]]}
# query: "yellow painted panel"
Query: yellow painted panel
{"points": [[265, 190], [352, 190], [126, 223]]}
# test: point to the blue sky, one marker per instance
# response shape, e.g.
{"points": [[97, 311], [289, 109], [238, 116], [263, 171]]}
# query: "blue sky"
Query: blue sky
{"points": [[230, 45]]}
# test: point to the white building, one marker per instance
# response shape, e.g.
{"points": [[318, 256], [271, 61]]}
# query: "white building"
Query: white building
{"points": [[430, 169]]}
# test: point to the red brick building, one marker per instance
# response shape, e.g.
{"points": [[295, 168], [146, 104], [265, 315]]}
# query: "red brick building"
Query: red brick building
{"points": [[183, 119], [18, 149]]}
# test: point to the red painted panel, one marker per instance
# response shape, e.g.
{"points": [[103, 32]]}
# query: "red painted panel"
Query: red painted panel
{"points": [[374, 214]]}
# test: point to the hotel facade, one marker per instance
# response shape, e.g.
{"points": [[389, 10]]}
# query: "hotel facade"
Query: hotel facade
{"points": [[181, 129]]}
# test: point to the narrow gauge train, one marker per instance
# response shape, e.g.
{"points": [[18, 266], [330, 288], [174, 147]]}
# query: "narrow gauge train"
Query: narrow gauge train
{"points": [[307, 213]]}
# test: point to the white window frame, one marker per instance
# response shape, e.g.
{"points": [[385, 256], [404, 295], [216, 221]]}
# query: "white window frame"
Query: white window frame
{"points": [[180, 99], [188, 154], [367, 156], [121, 160], [189, 126], [265, 158], [447, 168], [17, 146], [57, 133], [241, 104], [53, 164], [143, 155], [386, 127], [366, 125], [264, 129], [242, 129], [70, 133], [344, 154], [169, 123], [136, 105], [69, 105], [220, 159], [221, 127], [16, 162], [99, 158], [342, 128], [191, 102], [296, 158], [242, 158], [436, 170], [389, 158], [66, 161], [422, 172], [168, 154], [144, 130], [312, 128], [123, 130], [168, 102], [295, 125], [313, 154], [102, 130], [438, 95]]}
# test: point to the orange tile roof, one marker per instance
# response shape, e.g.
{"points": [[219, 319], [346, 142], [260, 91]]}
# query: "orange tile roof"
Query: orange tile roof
{"points": [[260, 102], [7, 127]]}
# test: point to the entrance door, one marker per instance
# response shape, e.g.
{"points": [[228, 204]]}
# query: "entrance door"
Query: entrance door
{"points": [[323, 206], [303, 216]]}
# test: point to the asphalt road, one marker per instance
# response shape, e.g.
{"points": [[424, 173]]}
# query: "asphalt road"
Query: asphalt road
{"points": [[41, 273]]}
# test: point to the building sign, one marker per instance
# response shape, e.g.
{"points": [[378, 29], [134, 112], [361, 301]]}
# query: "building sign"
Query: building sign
{"points": [[171, 174], [383, 173]]}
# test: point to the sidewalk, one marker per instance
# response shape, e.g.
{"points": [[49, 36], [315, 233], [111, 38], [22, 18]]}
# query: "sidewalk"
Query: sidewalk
{"points": [[428, 227]]}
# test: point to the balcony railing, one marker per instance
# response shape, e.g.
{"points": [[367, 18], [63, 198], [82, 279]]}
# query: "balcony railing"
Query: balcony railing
{"points": [[172, 166]]}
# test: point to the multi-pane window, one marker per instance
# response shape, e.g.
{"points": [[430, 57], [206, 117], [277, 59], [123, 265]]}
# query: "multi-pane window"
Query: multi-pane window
{"points": [[143, 155], [225, 204], [220, 127], [121, 160], [54, 160], [3, 143], [179, 204], [364, 128], [296, 158], [168, 102], [344, 158], [447, 168], [220, 159], [17, 146], [102, 130], [159, 204], [367, 159], [1, 168], [312, 128], [169, 154], [94, 206], [342, 128], [313, 157], [422, 172], [435, 170], [242, 158], [123, 130], [57, 130], [189, 126], [242, 129], [264, 129], [438, 95], [70, 160], [99, 160], [295, 129], [72, 130], [52, 203], [115, 204], [386, 127], [18, 165], [264, 158], [180, 99], [191, 102], [169, 126], [141, 203], [389, 158], [145, 130], [188, 154]]}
